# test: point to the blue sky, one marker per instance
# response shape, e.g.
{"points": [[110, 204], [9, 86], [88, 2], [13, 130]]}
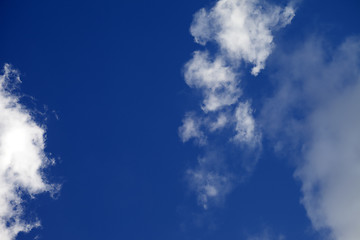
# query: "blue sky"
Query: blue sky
{"points": [[191, 120]]}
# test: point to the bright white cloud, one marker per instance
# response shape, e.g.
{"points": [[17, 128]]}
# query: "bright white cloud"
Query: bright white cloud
{"points": [[325, 91], [242, 28], [22, 158]]}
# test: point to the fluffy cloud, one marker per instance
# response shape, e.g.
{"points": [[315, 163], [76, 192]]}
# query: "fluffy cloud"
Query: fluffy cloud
{"points": [[22, 158], [318, 99], [242, 30], [216, 80]]}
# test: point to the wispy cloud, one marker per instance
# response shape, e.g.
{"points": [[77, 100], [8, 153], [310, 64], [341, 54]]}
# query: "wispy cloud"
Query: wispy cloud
{"points": [[318, 114], [22, 158], [242, 31], [211, 179], [245, 125], [191, 129], [266, 234]]}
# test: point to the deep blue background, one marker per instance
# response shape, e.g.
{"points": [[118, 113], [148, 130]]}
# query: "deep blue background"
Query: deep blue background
{"points": [[111, 70]]}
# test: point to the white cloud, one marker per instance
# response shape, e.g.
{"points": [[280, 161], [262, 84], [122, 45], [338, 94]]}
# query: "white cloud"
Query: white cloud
{"points": [[22, 158], [242, 28], [191, 129], [325, 91], [215, 79]]}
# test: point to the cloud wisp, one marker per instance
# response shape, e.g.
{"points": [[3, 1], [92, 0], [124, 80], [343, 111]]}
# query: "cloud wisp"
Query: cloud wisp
{"points": [[322, 86], [242, 31], [22, 158], [266, 234]]}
